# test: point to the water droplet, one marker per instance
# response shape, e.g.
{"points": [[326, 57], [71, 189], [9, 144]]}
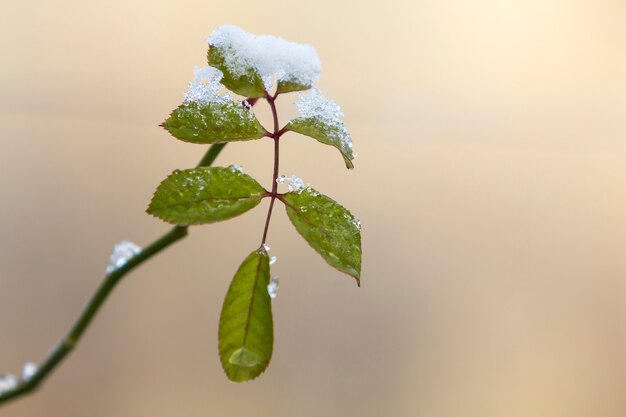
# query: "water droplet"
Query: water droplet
{"points": [[272, 287], [243, 358], [273, 260], [236, 168], [122, 252], [29, 370], [7, 382]]}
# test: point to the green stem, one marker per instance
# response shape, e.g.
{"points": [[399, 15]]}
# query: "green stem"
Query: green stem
{"points": [[70, 340], [209, 157]]}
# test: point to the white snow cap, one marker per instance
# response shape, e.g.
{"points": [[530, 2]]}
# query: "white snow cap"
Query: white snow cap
{"points": [[205, 87], [314, 104], [273, 58]]}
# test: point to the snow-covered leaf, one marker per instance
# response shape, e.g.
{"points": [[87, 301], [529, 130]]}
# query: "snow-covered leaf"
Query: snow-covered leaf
{"points": [[245, 81], [321, 119], [333, 135], [251, 64]]}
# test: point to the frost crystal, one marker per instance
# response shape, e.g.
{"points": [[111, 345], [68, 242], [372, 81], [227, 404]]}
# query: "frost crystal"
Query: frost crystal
{"points": [[29, 370], [273, 260], [266, 248], [205, 87], [236, 168], [7, 382], [122, 252], [272, 287], [315, 105], [294, 183], [273, 58], [355, 222]]}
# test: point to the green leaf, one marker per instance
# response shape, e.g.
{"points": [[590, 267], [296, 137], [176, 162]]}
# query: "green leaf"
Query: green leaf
{"points": [[329, 228], [244, 81], [246, 334], [334, 135], [286, 86], [216, 122], [205, 195]]}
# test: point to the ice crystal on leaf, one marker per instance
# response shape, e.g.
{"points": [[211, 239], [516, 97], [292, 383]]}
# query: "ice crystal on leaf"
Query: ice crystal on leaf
{"points": [[205, 87], [294, 184], [314, 105]]}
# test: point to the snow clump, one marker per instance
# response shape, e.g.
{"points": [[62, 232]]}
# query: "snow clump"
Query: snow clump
{"points": [[273, 58]]}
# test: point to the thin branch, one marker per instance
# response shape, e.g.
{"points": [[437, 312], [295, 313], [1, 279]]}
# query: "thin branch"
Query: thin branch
{"points": [[209, 157], [67, 344]]}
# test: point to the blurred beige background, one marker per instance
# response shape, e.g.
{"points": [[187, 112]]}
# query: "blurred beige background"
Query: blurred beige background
{"points": [[491, 183]]}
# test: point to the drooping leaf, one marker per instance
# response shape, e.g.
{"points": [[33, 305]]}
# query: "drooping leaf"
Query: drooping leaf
{"points": [[205, 195], [214, 122], [335, 135], [286, 86], [244, 81], [246, 334], [329, 228]]}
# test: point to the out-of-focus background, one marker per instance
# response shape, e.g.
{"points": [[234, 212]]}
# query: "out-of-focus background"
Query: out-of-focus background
{"points": [[490, 181]]}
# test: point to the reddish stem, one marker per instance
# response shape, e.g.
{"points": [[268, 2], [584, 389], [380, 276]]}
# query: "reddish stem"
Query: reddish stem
{"points": [[276, 136]]}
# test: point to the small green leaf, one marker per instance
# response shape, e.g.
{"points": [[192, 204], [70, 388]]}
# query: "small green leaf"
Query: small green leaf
{"points": [[246, 334], [286, 86], [334, 135], [205, 195], [217, 122], [244, 81], [329, 228]]}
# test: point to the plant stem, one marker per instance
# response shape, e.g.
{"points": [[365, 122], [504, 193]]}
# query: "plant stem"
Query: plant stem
{"points": [[276, 136], [209, 157], [70, 340]]}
